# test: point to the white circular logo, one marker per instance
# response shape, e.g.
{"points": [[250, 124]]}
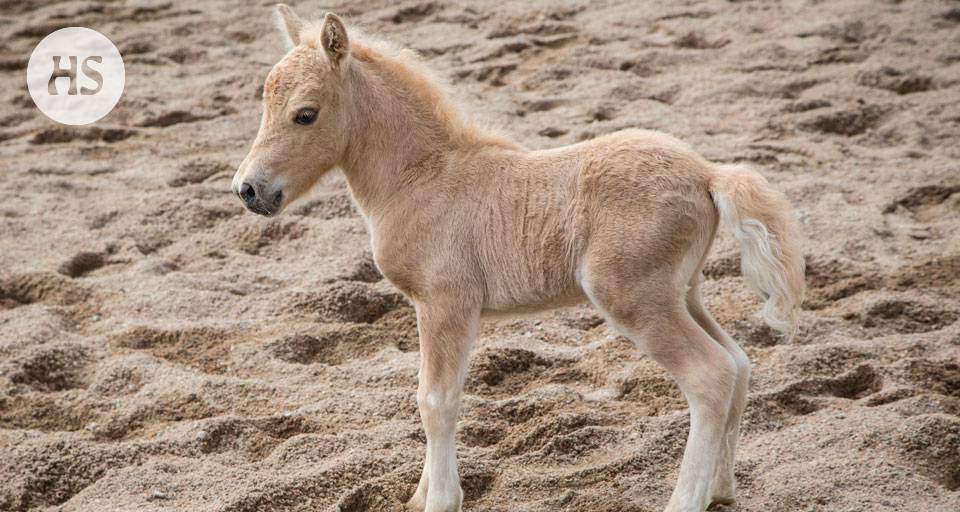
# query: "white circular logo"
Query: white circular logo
{"points": [[75, 75]]}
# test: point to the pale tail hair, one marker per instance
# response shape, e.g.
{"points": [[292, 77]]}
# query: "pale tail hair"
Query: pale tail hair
{"points": [[771, 260]]}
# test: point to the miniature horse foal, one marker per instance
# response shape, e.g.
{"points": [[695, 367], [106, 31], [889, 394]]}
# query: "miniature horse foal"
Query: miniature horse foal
{"points": [[466, 224]]}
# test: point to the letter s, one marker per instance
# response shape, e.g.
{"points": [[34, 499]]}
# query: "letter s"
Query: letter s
{"points": [[93, 74]]}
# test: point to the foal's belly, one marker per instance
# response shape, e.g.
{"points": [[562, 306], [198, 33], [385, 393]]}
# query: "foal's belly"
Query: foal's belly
{"points": [[528, 284], [509, 311], [529, 263]]}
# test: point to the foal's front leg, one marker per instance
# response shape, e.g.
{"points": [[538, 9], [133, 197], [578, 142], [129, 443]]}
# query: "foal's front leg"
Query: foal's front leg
{"points": [[447, 331]]}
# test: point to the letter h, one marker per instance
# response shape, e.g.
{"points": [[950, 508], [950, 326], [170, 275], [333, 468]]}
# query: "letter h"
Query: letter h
{"points": [[59, 72]]}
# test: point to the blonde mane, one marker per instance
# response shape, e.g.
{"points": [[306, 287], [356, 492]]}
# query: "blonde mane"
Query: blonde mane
{"points": [[406, 69]]}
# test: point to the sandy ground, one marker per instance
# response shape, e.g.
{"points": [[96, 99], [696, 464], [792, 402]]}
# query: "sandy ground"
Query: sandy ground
{"points": [[161, 349]]}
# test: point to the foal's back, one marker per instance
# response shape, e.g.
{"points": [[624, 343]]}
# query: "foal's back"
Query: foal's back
{"points": [[537, 214]]}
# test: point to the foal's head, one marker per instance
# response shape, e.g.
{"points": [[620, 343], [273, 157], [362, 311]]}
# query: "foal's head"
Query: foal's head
{"points": [[303, 132]]}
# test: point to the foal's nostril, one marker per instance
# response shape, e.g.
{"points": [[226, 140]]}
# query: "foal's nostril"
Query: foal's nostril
{"points": [[248, 194]]}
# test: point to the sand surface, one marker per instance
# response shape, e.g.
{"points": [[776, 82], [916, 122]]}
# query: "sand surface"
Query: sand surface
{"points": [[162, 349]]}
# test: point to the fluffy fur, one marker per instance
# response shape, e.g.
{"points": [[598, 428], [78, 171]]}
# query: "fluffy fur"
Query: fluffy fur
{"points": [[771, 261]]}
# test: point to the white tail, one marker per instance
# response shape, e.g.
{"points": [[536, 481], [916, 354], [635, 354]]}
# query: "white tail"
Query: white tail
{"points": [[771, 261]]}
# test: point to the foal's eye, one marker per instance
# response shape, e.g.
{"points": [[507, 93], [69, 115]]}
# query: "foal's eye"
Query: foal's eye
{"points": [[305, 116]]}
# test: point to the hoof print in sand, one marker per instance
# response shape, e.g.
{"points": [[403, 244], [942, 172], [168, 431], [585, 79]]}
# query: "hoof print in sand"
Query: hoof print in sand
{"points": [[553, 132], [348, 301], [493, 74], [564, 434], [506, 369], [336, 344], [952, 15], [174, 117], [931, 376], [849, 122], [904, 316], [363, 269], [770, 410], [197, 171], [117, 378], [369, 496], [831, 281], [53, 368], [697, 41], [481, 433], [40, 287], [253, 238], [476, 480], [51, 472], [306, 349], [540, 105], [412, 12], [255, 437], [924, 196], [185, 55], [81, 264], [172, 406], [931, 443], [541, 27], [806, 106], [895, 80], [654, 390], [203, 348], [60, 135], [48, 412]]}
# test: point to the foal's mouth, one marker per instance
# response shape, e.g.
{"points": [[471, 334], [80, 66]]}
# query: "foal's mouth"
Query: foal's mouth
{"points": [[259, 210]]}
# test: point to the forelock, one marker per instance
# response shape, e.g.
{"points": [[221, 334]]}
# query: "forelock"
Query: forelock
{"points": [[300, 65]]}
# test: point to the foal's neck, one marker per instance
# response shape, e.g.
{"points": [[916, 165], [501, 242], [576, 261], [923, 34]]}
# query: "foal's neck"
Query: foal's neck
{"points": [[402, 128]]}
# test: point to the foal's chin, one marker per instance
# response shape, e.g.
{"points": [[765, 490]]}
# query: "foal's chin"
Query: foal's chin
{"points": [[264, 211]]}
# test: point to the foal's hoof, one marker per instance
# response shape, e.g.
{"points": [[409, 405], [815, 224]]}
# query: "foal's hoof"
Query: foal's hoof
{"points": [[414, 505], [410, 506], [721, 504]]}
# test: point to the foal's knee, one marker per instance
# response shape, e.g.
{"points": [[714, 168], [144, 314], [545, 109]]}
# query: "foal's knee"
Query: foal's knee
{"points": [[713, 387], [707, 375], [742, 362], [438, 408]]}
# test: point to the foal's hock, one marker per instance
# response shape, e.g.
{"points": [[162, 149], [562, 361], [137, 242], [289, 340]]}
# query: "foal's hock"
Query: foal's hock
{"points": [[467, 224]]}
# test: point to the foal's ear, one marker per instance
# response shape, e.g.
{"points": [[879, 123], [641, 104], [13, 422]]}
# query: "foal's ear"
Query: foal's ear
{"points": [[333, 37], [289, 25]]}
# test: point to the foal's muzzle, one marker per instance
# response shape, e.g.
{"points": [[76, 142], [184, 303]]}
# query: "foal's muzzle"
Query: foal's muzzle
{"points": [[256, 198]]}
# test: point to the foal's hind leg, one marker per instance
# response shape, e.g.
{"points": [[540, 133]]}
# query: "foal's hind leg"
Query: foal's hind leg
{"points": [[723, 488], [654, 315]]}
